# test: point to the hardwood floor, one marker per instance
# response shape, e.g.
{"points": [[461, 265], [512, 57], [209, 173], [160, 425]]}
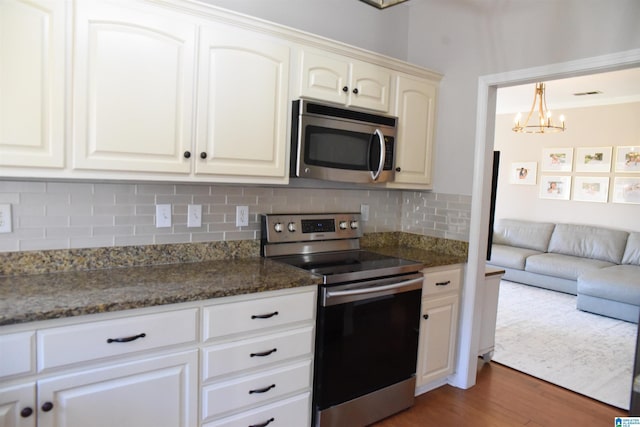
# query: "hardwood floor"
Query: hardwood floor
{"points": [[503, 397]]}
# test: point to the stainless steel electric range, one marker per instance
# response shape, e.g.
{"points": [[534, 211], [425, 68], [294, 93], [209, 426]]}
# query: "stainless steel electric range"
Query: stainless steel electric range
{"points": [[367, 320]]}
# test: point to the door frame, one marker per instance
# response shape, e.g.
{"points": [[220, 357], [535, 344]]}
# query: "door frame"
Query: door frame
{"points": [[469, 331]]}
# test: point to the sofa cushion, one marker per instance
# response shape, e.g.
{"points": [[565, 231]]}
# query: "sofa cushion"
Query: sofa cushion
{"points": [[564, 266], [523, 234], [632, 251], [617, 283], [587, 241], [510, 256]]}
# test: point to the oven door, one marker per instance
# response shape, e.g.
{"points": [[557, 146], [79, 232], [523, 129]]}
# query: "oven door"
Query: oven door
{"points": [[367, 339]]}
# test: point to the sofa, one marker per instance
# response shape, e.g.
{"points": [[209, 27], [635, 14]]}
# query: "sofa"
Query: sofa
{"points": [[601, 266]]}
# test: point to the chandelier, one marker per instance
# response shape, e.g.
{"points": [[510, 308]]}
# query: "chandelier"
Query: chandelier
{"points": [[542, 122], [382, 4]]}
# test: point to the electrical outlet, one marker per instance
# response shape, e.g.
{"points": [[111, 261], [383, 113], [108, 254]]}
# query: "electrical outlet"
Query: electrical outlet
{"points": [[364, 212], [242, 216], [5, 218], [163, 216], [194, 216]]}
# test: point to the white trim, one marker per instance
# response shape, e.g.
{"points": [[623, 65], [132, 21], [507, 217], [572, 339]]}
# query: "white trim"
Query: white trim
{"points": [[471, 302]]}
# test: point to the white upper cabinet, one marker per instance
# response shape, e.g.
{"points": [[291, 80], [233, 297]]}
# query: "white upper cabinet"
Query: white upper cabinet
{"points": [[344, 80], [133, 87], [32, 76], [415, 106], [243, 104]]}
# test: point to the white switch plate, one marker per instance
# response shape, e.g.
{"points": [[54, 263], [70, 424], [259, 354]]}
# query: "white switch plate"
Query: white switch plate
{"points": [[163, 216], [5, 218], [364, 212], [194, 216], [242, 216]]}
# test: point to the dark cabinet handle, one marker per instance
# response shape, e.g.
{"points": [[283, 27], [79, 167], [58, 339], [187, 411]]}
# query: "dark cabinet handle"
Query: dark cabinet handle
{"points": [[203, 155], [264, 424], [262, 390], [126, 339], [264, 353], [355, 91], [443, 283], [26, 412], [47, 406], [187, 154], [345, 89], [398, 169], [264, 316], [425, 316]]}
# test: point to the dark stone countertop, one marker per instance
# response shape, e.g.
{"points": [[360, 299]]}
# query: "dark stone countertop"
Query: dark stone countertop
{"points": [[37, 297], [429, 258]]}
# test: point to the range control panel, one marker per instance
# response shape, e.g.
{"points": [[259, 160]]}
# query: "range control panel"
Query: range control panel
{"points": [[279, 228]]}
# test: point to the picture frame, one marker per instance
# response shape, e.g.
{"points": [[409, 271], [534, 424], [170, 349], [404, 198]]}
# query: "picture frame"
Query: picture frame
{"points": [[628, 159], [626, 190], [557, 159], [555, 187], [524, 173], [593, 159], [590, 189]]}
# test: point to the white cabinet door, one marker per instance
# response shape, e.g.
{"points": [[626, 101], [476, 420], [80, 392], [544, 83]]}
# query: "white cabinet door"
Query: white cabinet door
{"points": [[415, 107], [18, 406], [32, 75], [153, 392], [343, 80], [438, 328], [133, 87], [243, 104]]}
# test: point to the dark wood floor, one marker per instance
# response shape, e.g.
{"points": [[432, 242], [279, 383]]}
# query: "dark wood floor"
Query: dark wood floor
{"points": [[503, 397]]}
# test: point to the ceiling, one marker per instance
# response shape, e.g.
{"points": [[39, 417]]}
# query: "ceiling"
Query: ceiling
{"points": [[616, 87]]}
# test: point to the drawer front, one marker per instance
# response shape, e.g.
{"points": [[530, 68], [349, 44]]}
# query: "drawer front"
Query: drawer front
{"points": [[95, 340], [438, 282], [254, 390], [294, 411], [17, 354], [258, 314], [257, 352]]}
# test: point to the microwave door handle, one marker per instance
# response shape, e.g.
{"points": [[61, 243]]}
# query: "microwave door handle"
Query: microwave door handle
{"points": [[376, 174]]}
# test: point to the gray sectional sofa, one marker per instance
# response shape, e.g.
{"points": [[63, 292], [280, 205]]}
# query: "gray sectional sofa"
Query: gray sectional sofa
{"points": [[599, 265]]}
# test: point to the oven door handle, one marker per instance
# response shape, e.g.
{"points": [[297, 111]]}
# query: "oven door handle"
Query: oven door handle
{"points": [[363, 291]]}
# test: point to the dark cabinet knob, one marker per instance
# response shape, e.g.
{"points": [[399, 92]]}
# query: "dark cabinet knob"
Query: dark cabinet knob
{"points": [[425, 316], [398, 169], [26, 412], [47, 406], [203, 155], [187, 154], [355, 91], [345, 89]]}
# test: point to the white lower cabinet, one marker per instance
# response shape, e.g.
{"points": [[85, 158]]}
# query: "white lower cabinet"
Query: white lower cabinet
{"points": [[439, 326], [293, 411], [18, 405]]}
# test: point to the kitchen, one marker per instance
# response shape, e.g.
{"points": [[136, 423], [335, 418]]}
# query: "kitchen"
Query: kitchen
{"points": [[392, 203]]}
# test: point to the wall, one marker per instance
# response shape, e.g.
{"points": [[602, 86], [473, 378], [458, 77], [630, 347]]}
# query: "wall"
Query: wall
{"points": [[612, 125]]}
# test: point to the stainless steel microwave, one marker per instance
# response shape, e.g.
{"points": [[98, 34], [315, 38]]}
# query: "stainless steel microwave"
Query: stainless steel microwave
{"points": [[334, 143]]}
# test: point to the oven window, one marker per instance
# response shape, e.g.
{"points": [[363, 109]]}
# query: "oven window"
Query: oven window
{"points": [[338, 149], [365, 345]]}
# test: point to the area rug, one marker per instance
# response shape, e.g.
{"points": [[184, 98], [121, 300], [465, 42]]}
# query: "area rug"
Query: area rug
{"points": [[541, 333]]}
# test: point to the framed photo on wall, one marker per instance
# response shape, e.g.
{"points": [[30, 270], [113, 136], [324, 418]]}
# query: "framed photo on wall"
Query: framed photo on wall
{"points": [[628, 159], [555, 187], [557, 159], [523, 173], [591, 189], [626, 190], [593, 159]]}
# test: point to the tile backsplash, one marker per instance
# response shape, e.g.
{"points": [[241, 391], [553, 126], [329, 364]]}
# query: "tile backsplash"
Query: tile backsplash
{"points": [[65, 215]]}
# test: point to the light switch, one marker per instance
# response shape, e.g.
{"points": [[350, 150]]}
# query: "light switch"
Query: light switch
{"points": [[163, 216], [194, 216], [5, 218]]}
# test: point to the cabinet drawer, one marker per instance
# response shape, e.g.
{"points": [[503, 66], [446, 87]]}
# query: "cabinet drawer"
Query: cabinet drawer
{"points": [[17, 353], [254, 353], [258, 314], [294, 411], [441, 281], [253, 390], [78, 343]]}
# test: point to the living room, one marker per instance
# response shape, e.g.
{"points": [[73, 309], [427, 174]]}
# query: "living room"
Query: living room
{"points": [[558, 178]]}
